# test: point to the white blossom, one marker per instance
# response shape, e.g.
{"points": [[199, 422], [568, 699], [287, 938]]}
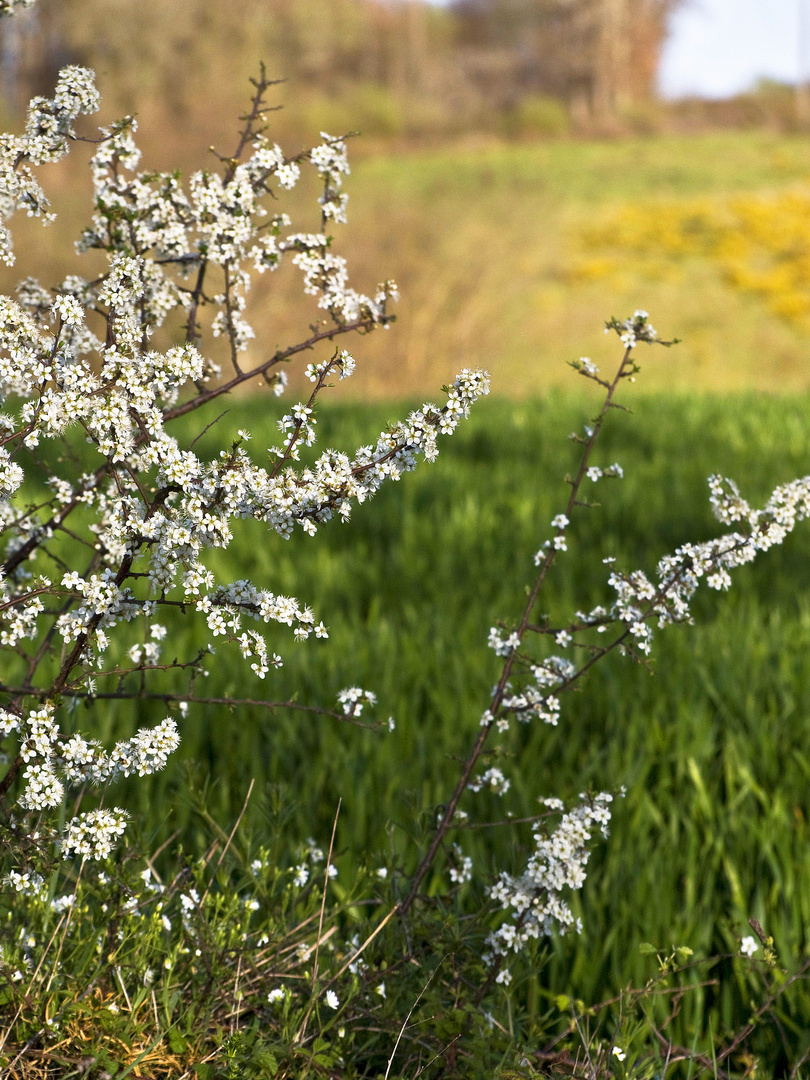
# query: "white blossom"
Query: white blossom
{"points": [[93, 835], [534, 902], [749, 946]]}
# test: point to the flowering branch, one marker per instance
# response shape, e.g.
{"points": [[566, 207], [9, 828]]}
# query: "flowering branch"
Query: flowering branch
{"points": [[151, 509], [637, 329]]}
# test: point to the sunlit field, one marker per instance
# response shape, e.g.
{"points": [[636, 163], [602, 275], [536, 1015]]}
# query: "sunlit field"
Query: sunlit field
{"points": [[510, 255]]}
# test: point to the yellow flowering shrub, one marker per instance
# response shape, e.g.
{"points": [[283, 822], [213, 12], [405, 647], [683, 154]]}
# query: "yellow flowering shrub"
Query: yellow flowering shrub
{"points": [[760, 243]]}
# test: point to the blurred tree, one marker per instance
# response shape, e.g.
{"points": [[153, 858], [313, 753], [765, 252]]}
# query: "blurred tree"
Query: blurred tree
{"points": [[456, 65], [313, 40], [598, 55]]}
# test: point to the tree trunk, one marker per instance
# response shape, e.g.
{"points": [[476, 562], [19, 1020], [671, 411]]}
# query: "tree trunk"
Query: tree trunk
{"points": [[612, 59]]}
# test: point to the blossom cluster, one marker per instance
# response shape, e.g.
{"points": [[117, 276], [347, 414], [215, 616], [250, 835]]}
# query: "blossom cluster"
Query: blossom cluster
{"points": [[534, 900], [78, 365], [332, 163], [93, 835], [48, 129], [667, 600], [53, 761], [633, 330]]}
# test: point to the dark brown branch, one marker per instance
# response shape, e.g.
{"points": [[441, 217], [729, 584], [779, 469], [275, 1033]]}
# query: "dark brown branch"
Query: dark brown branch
{"points": [[192, 699]]}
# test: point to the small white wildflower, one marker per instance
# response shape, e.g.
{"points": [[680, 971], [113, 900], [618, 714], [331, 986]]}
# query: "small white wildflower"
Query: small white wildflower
{"points": [[332, 999], [301, 876], [748, 946]]}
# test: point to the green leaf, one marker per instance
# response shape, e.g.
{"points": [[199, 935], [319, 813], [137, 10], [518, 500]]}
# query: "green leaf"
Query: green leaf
{"points": [[646, 949], [176, 1041]]}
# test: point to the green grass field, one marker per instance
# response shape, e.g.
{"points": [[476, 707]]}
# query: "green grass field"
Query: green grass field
{"points": [[713, 746]]}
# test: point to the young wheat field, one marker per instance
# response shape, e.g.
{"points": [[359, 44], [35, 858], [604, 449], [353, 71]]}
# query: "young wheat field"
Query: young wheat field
{"points": [[712, 741]]}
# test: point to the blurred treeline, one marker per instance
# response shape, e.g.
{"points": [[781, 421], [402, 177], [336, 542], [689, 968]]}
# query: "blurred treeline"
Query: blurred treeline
{"points": [[411, 69]]}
